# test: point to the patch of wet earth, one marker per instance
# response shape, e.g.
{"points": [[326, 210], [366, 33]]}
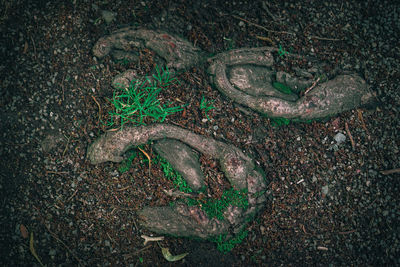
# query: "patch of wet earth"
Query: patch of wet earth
{"points": [[332, 185]]}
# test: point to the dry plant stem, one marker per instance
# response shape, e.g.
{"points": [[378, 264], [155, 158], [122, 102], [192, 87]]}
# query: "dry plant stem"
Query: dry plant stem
{"points": [[361, 118], [180, 219], [151, 239], [69, 250], [98, 106], [312, 86], [347, 232], [392, 171], [66, 146], [325, 39], [261, 27], [179, 193], [148, 157], [353, 145]]}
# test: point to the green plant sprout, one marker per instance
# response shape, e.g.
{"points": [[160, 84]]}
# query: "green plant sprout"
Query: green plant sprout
{"points": [[163, 78], [282, 52], [230, 42], [206, 105], [141, 100]]}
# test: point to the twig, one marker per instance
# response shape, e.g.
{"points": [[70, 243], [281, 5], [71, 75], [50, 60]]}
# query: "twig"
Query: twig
{"points": [[346, 126], [131, 254], [304, 229], [54, 172], [34, 47], [347, 232], [124, 188], [142, 249], [117, 199], [66, 146], [361, 118], [265, 39], [261, 27], [111, 238], [312, 86], [151, 239], [69, 250], [178, 193], [62, 87], [387, 172], [73, 195], [148, 157], [265, 7], [325, 39], [98, 106]]}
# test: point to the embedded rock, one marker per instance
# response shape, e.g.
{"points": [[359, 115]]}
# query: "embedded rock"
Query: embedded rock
{"points": [[124, 79]]}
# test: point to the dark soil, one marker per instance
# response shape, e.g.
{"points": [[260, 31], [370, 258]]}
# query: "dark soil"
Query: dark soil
{"points": [[330, 202]]}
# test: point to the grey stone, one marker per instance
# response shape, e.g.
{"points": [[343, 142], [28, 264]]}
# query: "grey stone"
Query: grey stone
{"points": [[325, 189], [124, 79], [108, 16], [339, 138]]}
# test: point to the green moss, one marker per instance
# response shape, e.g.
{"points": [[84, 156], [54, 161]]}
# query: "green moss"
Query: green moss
{"points": [[225, 244], [282, 88], [126, 164], [124, 61], [173, 175], [277, 122], [215, 208]]}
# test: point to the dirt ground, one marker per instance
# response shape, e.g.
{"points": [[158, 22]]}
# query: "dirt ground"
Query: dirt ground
{"points": [[330, 202]]}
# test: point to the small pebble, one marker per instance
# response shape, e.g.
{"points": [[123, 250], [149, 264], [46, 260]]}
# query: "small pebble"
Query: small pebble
{"points": [[325, 190], [339, 138]]}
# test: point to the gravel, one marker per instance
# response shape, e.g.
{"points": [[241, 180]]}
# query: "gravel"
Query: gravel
{"points": [[331, 202]]}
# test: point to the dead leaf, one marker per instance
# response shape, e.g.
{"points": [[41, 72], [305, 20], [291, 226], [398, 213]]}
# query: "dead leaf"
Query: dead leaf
{"points": [[265, 39], [26, 47], [32, 249], [169, 257], [24, 231], [148, 157]]}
